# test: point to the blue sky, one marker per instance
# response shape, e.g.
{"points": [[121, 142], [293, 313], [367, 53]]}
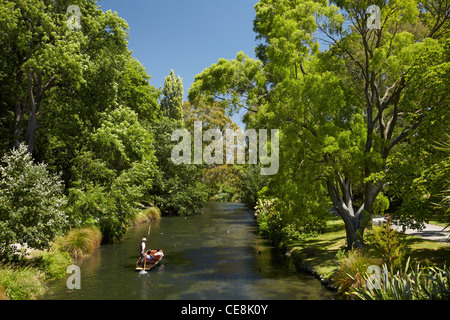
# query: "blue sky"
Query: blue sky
{"points": [[185, 35]]}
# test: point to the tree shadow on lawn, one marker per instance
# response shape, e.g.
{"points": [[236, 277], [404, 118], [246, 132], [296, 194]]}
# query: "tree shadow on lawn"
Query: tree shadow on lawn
{"points": [[437, 253], [319, 253]]}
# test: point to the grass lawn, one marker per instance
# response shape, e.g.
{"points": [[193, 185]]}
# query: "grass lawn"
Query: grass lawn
{"points": [[318, 254]]}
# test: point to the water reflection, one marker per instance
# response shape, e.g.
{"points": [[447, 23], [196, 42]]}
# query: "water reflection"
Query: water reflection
{"points": [[214, 255]]}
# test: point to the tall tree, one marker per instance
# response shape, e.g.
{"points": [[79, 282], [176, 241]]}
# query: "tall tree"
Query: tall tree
{"points": [[172, 97], [43, 52], [177, 189], [223, 179], [346, 112]]}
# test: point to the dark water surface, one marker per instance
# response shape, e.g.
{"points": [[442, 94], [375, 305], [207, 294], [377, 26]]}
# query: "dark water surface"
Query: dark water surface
{"points": [[214, 255]]}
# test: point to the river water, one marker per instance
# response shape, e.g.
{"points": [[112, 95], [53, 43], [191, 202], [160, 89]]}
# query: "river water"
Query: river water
{"points": [[214, 255]]}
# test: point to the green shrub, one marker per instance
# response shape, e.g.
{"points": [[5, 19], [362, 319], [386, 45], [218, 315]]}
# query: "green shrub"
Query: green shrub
{"points": [[138, 219], [153, 213], [387, 244], [223, 197], [54, 263], [275, 224], [269, 220], [31, 203]]}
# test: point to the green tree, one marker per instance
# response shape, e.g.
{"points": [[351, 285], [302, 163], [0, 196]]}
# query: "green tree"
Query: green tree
{"points": [[223, 180], [172, 97], [346, 112], [251, 183], [43, 54], [426, 191], [82, 104], [177, 188], [113, 174], [31, 203]]}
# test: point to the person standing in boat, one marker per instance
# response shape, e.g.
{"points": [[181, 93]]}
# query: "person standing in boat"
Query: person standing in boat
{"points": [[144, 240]]}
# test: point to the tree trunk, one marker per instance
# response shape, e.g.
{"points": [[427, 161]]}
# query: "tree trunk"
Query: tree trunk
{"points": [[35, 101], [31, 131], [355, 233], [18, 111], [340, 191]]}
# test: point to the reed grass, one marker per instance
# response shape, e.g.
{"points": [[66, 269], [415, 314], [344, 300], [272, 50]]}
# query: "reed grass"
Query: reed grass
{"points": [[351, 268], [138, 219], [153, 213], [80, 242], [53, 263], [3, 295], [144, 216], [25, 283]]}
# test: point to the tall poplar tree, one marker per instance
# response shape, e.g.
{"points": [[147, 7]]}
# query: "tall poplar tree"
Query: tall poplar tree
{"points": [[172, 97]]}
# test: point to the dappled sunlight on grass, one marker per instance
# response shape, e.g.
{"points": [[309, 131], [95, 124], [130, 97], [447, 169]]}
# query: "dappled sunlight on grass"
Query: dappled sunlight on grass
{"points": [[319, 253]]}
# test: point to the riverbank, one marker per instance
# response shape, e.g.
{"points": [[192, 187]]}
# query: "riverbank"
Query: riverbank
{"points": [[28, 278], [319, 255]]}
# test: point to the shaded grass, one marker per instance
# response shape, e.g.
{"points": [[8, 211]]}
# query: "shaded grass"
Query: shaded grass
{"points": [[437, 253], [27, 279], [54, 263], [318, 254]]}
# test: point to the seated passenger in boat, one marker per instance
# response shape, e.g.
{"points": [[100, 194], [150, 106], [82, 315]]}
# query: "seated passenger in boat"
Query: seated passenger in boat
{"points": [[149, 255], [159, 253]]}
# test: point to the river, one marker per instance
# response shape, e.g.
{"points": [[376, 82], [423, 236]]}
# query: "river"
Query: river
{"points": [[214, 255]]}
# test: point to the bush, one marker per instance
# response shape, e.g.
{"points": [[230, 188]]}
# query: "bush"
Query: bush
{"points": [[153, 213], [223, 197], [251, 183], [387, 244], [269, 220], [31, 203], [277, 227]]}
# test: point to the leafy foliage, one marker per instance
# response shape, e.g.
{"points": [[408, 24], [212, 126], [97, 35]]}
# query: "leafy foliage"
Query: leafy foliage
{"points": [[84, 106], [420, 283], [177, 189], [172, 97], [387, 242], [352, 266], [349, 113], [31, 203]]}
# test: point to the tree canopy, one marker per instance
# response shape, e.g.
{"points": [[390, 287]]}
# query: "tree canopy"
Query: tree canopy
{"points": [[74, 95], [359, 91], [345, 112]]}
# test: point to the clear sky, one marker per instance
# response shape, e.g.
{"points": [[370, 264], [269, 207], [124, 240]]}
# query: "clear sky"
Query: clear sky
{"points": [[185, 35]]}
